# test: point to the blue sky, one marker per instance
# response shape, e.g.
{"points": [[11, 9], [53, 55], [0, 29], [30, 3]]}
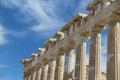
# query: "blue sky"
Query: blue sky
{"points": [[26, 24]]}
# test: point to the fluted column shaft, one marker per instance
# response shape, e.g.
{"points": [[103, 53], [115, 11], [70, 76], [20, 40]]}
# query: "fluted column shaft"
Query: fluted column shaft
{"points": [[25, 76], [48, 74], [113, 51], [59, 71], [95, 56], [39, 70], [29, 76], [80, 66], [33, 75], [69, 64], [52, 69], [44, 72], [38, 73]]}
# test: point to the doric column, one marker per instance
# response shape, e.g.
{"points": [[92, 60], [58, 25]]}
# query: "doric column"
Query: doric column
{"points": [[80, 66], [33, 75], [95, 55], [59, 71], [44, 70], [38, 73], [26, 62], [52, 68], [39, 68], [29, 76], [113, 51], [25, 76], [48, 74], [69, 64]]}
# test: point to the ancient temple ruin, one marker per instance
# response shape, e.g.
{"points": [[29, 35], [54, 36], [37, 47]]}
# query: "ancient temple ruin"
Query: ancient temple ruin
{"points": [[56, 61]]}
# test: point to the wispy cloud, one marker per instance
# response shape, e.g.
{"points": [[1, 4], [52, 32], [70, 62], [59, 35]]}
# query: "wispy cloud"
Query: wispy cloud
{"points": [[43, 15], [5, 33], [17, 34], [42, 12], [2, 35], [3, 66]]}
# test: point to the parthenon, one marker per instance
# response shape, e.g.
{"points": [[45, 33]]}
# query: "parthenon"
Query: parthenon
{"points": [[56, 61]]}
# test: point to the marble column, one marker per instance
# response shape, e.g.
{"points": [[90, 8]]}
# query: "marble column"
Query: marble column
{"points": [[48, 74], [69, 64], [95, 55], [25, 76], [29, 76], [33, 75], [80, 66], [44, 72], [52, 68], [113, 51], [39, 70], [59, 71], [38, 73]]}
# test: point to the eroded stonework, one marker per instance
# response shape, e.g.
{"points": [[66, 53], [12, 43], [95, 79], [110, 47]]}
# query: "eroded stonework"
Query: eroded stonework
{"points": [[58, 62]]}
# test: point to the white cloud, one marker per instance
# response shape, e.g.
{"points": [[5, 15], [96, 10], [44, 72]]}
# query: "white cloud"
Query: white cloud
{"points": [[20, 34], [2, 35], [42, 13], [2, 66]]}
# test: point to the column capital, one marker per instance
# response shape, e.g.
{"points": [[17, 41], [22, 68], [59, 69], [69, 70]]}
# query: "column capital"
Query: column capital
{"points": [[97, 28], [81, 40], [49, 41], [69, 49], [71, 43], [85, 34], [59, 35], [61, 51], [24, 61], [50, 60], [34, 56], [34, 68], [45, 61], [29, 70], [113, 22], [39, 65], [41, 49], [26, 73], [115, 18]]}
